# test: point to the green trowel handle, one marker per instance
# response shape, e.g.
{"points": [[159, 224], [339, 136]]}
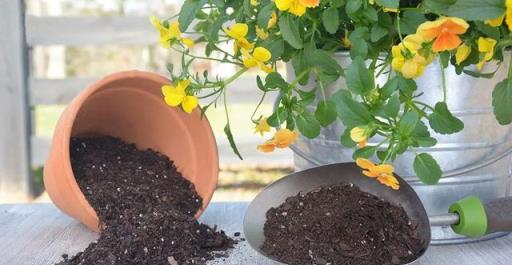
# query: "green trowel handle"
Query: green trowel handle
{"points": [[477, 218]]}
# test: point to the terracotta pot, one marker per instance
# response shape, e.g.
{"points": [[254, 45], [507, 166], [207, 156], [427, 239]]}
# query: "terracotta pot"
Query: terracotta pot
{"points": [[129, 105]]}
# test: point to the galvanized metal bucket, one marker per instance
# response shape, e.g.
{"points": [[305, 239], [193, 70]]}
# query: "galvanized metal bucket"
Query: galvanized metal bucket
{"points": [[476, 161]]}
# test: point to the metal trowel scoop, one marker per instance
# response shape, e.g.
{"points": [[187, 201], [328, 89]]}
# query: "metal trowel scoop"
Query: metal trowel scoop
{"points": [[468, 216]]}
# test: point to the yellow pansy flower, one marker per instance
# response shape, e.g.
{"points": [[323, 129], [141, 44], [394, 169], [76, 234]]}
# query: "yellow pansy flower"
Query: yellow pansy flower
{"points": [[444, 32], [282, 139], [495, 22], [486, 49], [262, 127], [238, 32], [261, 33], [360, 135], [383, 172], [407, 58], [170, 33], [508, 14], [272, 21], [175, 96], [462, 53], [259, 57], [296, 7]]}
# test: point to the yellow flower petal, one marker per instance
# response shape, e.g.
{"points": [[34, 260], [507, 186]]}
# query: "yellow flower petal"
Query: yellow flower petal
{"points": [[261, 54], [261, 33], [390, 10], [297, 9], [285, 137], [174, 98], [358, 134], [309, 3], [254, 2], [364, 163], [409, 69], [266, 147], [389, 181], [272, 21], [383, 169], [262, 127], [250, 62], [283, 5], [188, 42], [495, 22], [508, 20], [237, 31], [462, 53], [183, 84], [189, 103]]}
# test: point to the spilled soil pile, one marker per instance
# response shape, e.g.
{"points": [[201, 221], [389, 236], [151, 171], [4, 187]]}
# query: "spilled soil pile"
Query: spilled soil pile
{"points": [[145, 206]]}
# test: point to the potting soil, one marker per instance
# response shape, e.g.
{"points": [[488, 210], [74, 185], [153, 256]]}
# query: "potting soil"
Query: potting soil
{"points": [[340, 225], [145, 206]]}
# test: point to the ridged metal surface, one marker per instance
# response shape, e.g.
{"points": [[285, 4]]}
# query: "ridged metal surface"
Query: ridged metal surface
{"points": [[475, 161]]}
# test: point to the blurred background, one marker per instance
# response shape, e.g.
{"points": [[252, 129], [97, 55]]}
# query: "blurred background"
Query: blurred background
{"points": [[67, 44]]}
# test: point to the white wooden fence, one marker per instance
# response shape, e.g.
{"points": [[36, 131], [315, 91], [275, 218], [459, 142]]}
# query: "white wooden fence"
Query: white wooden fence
{"points": [[20, 150]]}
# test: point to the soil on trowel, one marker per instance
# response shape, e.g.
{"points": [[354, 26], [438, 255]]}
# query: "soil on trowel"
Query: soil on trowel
{"points": [[340, 225], [145, 206]]}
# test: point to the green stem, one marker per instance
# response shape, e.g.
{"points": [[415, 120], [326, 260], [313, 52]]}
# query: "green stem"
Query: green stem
{"points": [[229, 80], [206, 58], [258, 106], [424, 105], [510, 69], [443, 78], [299, 77], [398, 27]]}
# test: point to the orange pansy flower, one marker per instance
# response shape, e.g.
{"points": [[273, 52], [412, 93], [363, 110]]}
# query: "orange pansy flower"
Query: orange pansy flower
{"points": [[444, 32]]}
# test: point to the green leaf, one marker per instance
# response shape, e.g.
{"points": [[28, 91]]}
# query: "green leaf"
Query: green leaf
{"points": [[442, 121], [359, 46], [231, 140], [388, 3], [438, 5], [389, 88], [290, 29], [327, 68], [275, 80], [275, 45], [410, 21], [188, 12], [307, 125], [365, 152], [358, 78], [264, 15], [278, 117], [331, 20], [300, 64], [479, 74], [353, 5], [378, 32], [426, 141], [407, 123], [392, 107], [502, 101], [326, 112], [351, 112], [427, 169], [345, 139], [476, 9]]}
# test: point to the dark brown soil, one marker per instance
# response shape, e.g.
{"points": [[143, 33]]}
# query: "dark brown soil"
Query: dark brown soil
{"points": [[340, 225], [145, 206]]}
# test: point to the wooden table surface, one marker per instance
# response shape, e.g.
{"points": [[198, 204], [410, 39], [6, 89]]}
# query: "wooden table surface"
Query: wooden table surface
{"points": [[37, 234]]}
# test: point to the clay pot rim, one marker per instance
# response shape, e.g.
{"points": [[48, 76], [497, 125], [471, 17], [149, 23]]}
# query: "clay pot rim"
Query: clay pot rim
{"points": [[72, 112]]}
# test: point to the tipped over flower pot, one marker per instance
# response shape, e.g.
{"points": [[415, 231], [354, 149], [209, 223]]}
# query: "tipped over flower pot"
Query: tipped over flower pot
{"points": [[129, 105]]}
